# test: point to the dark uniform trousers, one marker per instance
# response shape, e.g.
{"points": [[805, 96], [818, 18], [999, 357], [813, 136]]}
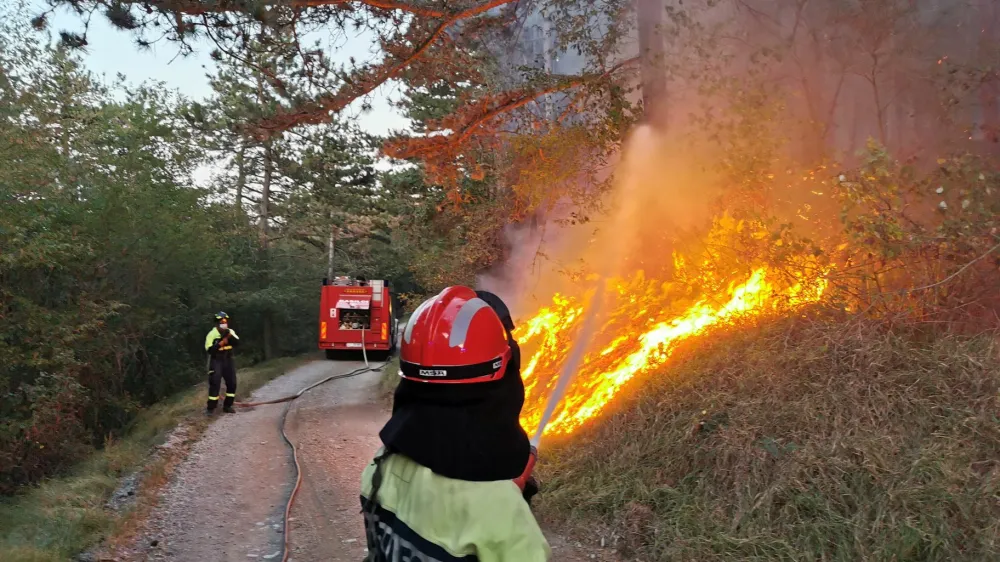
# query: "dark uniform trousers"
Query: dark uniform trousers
{"points": [[221, 367]]}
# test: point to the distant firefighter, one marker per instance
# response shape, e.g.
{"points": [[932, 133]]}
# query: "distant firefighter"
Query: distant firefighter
{"points": [[219, 344]]}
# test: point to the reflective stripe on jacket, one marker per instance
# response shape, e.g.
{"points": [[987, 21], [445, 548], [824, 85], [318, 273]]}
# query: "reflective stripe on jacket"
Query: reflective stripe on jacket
{"points": [[423, 516]]}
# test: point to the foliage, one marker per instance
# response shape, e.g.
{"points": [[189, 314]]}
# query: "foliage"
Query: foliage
{"points": [[423, 43], [485, 137], [113, 261], [923, 243], [98, 297], [65, 515]]}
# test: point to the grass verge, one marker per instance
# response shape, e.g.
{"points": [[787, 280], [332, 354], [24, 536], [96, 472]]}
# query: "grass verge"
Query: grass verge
{"points": [[390, 375], [63, 516], [800, 440], [390, 378]]}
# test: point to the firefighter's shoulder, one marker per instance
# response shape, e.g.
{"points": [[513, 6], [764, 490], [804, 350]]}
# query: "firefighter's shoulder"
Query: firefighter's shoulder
{"points": [[211, 337], [494, 522]]}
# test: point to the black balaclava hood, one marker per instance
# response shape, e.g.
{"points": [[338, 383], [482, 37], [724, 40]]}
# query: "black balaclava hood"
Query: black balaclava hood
{"points": [[463, 431], [501, 309]]}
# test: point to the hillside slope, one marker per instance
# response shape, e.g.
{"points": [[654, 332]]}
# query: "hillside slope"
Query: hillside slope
{"points": [[800, 440]]}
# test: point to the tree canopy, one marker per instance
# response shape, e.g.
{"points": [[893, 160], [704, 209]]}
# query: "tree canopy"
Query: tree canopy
{"points": [[424, 43]]}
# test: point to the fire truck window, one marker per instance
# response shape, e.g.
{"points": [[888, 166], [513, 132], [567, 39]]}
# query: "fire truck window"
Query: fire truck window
{"points": [[354, 319]]}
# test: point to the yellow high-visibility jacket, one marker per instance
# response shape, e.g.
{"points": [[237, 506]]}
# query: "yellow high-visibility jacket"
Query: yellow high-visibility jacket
{"points": [[420, 515], [214, 336]]}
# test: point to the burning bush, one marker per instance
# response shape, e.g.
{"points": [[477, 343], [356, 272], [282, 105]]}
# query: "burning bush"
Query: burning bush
{"points": [[771, 395], [643, 320], [916, 250]]}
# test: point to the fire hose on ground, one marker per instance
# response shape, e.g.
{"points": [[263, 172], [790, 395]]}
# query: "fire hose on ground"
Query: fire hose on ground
{"points": [[285, 550]]}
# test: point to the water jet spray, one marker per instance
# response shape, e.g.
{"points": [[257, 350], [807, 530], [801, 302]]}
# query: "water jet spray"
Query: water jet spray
{"points": [[612, 255], [569, 369]]}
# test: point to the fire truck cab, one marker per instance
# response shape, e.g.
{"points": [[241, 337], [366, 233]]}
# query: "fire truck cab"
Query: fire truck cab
{"points": [[357, 314]]}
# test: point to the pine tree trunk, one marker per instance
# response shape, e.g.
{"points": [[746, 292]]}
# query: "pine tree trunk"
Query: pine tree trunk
{"points": [[265, 196], [329, 260], [547, 58], [651, 51], [241, 177], [265, 204]]}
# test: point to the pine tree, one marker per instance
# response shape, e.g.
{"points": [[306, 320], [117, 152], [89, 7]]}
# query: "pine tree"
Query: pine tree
{"points": [[421, 42]]}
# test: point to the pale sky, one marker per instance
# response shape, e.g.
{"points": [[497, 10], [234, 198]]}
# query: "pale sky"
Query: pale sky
{"points": [[112, 51]]}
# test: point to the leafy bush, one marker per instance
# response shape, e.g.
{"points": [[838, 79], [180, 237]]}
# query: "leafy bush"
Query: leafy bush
{"points": [[112, 263], [924, 243]]}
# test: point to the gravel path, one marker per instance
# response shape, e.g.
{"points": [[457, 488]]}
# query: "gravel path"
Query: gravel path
{"points": [[335, 428], [226, 500]]}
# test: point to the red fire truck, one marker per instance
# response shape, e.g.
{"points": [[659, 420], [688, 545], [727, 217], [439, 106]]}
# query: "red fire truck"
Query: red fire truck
{"points": [[356, 314]]}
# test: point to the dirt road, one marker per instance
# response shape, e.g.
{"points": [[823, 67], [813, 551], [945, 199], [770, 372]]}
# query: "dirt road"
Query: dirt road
{"points": [[226, 500], [335, 427]]}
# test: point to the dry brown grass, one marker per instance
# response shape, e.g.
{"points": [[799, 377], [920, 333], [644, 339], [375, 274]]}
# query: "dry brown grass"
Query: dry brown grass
{"points": [[798, 440]]}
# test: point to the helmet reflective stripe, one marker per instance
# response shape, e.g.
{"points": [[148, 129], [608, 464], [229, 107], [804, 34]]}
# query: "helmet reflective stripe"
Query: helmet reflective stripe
{"points": [[408, 332], [460, 329]]}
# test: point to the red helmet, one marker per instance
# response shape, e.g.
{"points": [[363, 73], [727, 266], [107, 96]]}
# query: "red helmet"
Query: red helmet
{"points": [[454, 337]]}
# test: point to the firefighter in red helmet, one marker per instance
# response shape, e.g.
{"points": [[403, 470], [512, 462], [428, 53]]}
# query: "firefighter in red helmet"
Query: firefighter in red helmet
{"points": [[442, 486]]}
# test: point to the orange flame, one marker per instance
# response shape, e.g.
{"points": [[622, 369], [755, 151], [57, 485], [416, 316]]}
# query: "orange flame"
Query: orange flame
{"points": [[628, 345]]}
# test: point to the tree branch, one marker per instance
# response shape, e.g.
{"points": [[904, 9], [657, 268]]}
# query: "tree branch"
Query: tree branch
{"points": [[302, 237], [953, 275], [318, 111], [461, 135], [200, 7]]}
